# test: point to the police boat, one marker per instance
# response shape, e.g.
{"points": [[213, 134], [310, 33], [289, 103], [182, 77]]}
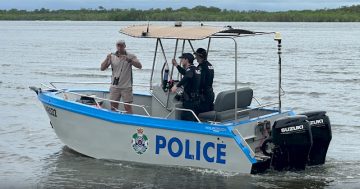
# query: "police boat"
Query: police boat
{"points": [[238, 136]]}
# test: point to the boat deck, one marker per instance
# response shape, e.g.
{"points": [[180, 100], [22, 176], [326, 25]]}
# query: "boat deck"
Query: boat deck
{"points": [[147, 105]]}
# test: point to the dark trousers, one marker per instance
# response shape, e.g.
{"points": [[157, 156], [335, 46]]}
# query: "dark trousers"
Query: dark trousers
{"points": [[207, 102], [192, 105]]}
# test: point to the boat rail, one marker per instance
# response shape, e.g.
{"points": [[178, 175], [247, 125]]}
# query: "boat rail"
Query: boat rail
{"points": [[186, 110], [257, 107], [158, 100], [257, 101], [52, 83], [95, 97]]}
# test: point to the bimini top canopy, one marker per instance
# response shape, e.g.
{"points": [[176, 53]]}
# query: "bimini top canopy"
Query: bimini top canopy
{"points": [[182, 32]]}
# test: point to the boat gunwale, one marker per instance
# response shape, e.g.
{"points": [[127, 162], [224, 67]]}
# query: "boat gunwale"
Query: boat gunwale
{"points": [[50, 98], [223, 129]]}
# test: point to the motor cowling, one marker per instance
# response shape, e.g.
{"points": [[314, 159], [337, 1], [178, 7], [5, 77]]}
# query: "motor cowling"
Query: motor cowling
{"points": [[321, 134], [292, 141]]}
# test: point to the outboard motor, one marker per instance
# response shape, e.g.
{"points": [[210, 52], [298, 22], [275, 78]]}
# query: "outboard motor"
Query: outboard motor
{"points": [[292, 140], [321, 134]]}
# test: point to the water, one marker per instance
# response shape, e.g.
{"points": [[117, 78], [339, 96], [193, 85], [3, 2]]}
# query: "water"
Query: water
{"points": [[320, 71]]}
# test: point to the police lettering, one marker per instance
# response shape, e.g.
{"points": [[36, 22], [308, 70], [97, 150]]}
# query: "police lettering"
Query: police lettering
{"points": [[210, 152]]}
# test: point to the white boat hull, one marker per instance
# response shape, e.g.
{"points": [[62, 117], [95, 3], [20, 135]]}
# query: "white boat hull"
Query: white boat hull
{"points": [[106, 140], [235, 146]]}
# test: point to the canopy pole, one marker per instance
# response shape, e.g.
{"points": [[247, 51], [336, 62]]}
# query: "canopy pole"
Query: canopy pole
{"points": [[208, 47], [277, 38], [163, 52], [162, 49], [171, 73], [172, 68], [236, 76], [182, 51], [153, 66], [191, 46], [183, 47]]}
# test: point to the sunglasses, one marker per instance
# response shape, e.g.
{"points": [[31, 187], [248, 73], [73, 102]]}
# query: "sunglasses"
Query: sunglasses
{"points": [[119, 45]]}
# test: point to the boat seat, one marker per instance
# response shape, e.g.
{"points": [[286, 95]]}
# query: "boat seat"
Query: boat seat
{"points": [[224, 105]]}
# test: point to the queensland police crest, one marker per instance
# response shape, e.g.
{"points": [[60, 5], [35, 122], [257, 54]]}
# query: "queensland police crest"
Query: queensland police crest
{"points": [[140, 141]]}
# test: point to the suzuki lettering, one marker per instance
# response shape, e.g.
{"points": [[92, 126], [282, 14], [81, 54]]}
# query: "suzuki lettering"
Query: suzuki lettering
{"points": [[208, 151], [317, 123], [294, 128]]}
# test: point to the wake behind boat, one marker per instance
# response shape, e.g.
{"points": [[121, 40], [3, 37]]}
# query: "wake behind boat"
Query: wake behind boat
{"points": [[237, 136]]}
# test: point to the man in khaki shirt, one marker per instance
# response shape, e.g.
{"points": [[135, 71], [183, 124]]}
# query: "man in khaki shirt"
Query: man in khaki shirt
{"points": [[121, 78]]}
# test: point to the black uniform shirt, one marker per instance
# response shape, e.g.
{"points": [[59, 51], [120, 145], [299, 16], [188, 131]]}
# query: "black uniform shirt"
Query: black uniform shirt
{"points": [[191, 79], [207, 76]]}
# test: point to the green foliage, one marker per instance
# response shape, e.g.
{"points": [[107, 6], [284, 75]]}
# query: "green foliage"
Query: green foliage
{"points": [[198, 13]]}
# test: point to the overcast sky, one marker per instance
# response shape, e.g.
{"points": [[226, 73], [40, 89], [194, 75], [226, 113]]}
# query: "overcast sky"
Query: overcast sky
{"points": [[268, 5]]}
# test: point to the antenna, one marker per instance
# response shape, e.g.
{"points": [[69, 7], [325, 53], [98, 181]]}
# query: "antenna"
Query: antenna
{"points": [[144, 34], [147, 29]]}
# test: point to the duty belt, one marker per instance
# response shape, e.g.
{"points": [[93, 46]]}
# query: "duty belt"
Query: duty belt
{"points": [[208, 90], [191, 96]]}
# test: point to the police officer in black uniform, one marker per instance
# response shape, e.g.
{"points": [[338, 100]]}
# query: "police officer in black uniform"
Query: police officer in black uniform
{"points": [[191, 84], [207, 76]]}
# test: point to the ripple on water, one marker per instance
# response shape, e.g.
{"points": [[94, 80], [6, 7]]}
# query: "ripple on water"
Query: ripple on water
{"points": [[295, 92], [316, 94], [26, 97], [19, 104], [20, 87], [335, 72], [3, 103], [357, 114], [24, 159], [81, 75]]}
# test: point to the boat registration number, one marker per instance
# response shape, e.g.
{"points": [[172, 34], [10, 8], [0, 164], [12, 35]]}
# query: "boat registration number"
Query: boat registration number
{"points": [[51, 111]]}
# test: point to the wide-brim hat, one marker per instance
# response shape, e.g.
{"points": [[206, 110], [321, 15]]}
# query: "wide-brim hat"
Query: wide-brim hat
{"points": [[201, 52]]}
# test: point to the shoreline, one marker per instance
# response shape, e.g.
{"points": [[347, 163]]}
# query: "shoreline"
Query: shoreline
{"points": [[196, 14]]}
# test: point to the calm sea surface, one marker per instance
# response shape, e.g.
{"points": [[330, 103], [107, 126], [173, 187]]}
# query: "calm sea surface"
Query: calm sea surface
{"points": [[321, 66]]}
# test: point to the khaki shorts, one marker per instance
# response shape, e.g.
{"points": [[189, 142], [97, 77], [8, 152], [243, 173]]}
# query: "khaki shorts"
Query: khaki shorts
{"points": [[117, 93]]}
